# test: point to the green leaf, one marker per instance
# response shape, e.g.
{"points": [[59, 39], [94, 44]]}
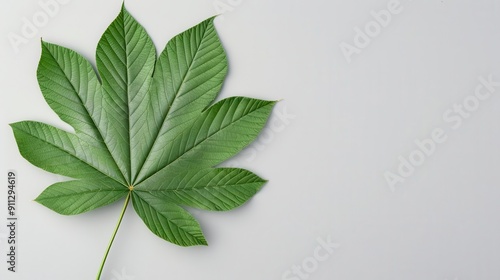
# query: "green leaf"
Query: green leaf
{"points": [[145, 129], [75, 197], [216, 189], [217, 134], [125, 60], [60, 152], [168, 220], [70, 87], [189, 75]]}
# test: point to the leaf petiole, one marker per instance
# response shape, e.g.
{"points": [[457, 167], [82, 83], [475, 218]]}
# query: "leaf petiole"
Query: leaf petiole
{"points": [[114, 234]]}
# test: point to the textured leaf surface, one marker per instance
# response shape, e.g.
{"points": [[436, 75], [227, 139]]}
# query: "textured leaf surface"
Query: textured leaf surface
{"points": [[145, 128], [70, 87], [189, 72], [216, 135], [168, 220], [217, 189], [75, 197], [125, 60], [60, 152]]}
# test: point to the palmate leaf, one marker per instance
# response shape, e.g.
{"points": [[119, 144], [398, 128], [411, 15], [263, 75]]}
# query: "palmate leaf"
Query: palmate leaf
{"points": [[145, 129]]}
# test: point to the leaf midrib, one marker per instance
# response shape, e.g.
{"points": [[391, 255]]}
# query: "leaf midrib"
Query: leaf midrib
{"points": [[164, 118], [92, 119], [194, 146], [72, 155], [169, 221], [198, 188], [127, 78]]}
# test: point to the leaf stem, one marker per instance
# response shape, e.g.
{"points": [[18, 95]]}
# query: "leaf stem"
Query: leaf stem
{"points": [[114, 234]]}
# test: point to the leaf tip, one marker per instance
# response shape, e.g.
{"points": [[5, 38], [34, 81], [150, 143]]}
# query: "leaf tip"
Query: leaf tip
{"points": [[14, 125], [45, 45], [197, 241], [123, 9], [38, 200], [200, 240], [210, 20], [203, 242], [273, 103], [42, 43]]}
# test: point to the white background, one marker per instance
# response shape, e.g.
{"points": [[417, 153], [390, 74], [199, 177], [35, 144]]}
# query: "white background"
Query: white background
{"points": [[348, 124]]}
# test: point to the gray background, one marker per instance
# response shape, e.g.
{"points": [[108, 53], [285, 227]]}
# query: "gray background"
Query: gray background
{"points": [[339, 129]]}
